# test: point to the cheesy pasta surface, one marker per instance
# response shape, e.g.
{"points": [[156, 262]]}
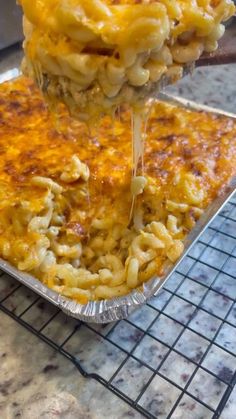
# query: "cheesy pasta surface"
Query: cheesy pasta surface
{"points": [[64, 207]]}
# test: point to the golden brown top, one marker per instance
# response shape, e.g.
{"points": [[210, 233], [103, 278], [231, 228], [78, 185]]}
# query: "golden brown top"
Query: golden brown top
{"points": [[32, 143], [71, 229]]}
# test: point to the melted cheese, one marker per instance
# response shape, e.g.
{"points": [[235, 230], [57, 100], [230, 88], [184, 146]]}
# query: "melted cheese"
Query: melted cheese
{"points": [[82, 245], [178, 141], [96, 55]]}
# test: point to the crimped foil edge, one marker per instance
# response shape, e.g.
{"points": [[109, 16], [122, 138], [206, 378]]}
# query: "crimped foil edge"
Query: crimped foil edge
{"points": [[106, 311]]}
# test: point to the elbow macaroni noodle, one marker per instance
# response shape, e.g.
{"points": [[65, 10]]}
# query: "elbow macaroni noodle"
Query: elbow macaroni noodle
{"points": [[64, 208], [63, 263], [96, 54]]}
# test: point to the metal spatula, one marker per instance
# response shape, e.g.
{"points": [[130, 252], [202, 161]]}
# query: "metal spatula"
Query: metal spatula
{"points": [[226, 53]]}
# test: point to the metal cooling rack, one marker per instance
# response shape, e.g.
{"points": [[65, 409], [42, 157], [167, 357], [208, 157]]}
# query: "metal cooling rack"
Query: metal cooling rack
{"points": [[161, 357]]}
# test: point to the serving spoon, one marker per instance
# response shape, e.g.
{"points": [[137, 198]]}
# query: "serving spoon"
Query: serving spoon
{"points": [[226, 53]]}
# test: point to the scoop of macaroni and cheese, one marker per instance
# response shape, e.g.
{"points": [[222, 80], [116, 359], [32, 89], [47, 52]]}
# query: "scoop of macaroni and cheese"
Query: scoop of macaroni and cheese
{"points": [[97, 54]]}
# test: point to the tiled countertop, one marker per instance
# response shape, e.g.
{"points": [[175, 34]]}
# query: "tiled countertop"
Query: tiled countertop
{"points": [[37, 382]]}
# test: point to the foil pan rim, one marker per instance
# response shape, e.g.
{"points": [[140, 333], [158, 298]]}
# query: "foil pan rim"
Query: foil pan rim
{"points": [[106, 311]]}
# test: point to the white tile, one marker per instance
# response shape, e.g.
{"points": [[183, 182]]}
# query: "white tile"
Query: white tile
{"points": [[213, 257], [220, 363], [207, 388], [178, 369], [165, 329], [125, 335], [192, 291], [203, 273], [159, 398], [227, 338], [189, 408], [205, 323], [132, 378], [179, 309], [192, 345], [150, 351], [217, 304]]}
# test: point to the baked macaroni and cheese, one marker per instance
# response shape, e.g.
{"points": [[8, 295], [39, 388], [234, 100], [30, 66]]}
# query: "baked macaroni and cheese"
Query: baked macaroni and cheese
{"points": [[94, 55], [65, 207]]}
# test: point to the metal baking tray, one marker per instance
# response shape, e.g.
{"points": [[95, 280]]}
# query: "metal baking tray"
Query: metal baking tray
{"points": [[111, 310]]}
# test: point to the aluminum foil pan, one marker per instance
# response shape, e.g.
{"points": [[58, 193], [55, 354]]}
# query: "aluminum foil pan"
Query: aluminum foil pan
{"points": [[118, 308]]}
